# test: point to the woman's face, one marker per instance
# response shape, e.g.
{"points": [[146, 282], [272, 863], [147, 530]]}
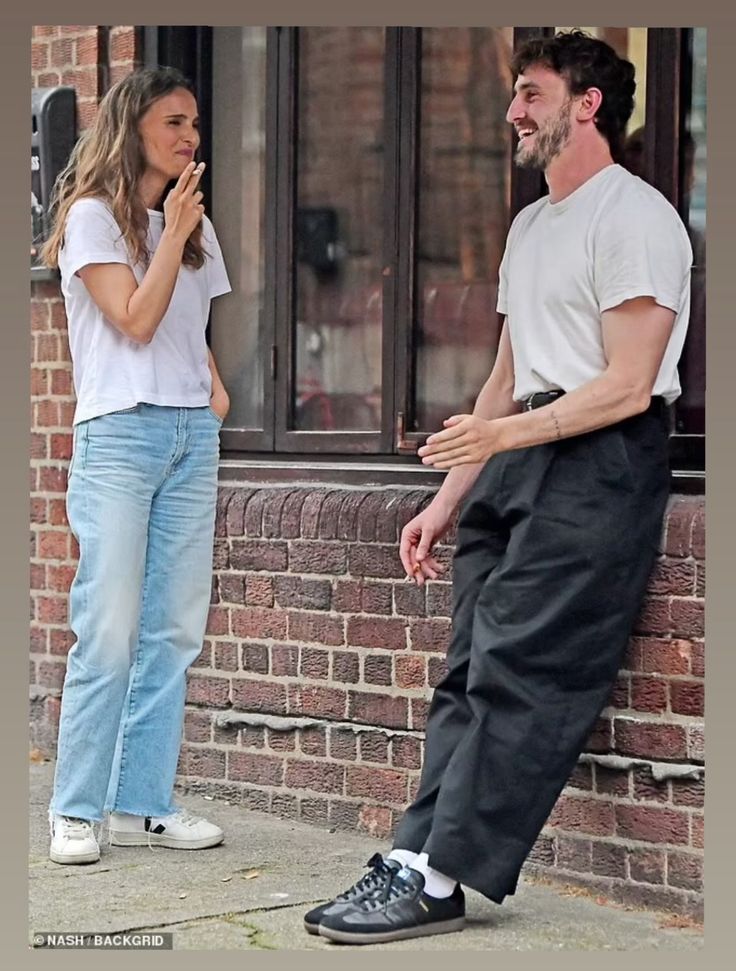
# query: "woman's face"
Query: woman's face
{"points": [[170, 134]]}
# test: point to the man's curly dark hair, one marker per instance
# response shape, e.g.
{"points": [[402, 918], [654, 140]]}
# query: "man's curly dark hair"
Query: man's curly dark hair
{"points": [[586, 62]]}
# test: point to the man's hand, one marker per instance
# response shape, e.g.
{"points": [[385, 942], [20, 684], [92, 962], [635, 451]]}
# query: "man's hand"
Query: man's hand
{"points": [[466, 440], [417, 539]]}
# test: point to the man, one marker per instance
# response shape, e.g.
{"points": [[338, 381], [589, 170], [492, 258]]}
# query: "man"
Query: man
{"points": [[564, 466]]}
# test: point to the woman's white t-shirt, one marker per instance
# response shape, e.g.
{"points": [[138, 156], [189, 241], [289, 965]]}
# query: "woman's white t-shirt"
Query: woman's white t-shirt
{"points": [[612, 239], [112, 372]]}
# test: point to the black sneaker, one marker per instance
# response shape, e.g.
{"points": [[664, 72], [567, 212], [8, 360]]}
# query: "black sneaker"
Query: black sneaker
{"points": [[400, 911], [372, 882]]}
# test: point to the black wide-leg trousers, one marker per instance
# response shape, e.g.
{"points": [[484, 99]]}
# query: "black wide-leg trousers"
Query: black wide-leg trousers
{"points": [[555, 546]]}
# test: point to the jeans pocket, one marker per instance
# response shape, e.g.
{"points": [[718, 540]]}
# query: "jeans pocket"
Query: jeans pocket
{"points": [[215, 416]]}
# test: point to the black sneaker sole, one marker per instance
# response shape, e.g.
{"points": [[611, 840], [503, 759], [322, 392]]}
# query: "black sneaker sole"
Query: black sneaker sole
{"points": [[400, 934]]}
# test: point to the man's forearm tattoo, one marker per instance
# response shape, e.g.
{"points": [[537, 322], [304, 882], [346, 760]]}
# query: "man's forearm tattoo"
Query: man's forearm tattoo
{"points": [[553, 416]]}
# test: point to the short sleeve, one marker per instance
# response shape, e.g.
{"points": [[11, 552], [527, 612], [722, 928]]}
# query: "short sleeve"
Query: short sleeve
{"points": [[642, 251], [217, 278], [91, 235]]}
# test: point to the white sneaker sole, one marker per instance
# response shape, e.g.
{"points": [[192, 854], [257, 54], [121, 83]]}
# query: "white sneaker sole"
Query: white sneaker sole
{"points": [[120, 838], [91, 857]]}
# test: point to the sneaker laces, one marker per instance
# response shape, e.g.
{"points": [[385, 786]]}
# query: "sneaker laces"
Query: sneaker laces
{"points": [[185, 817], [369, 881], [396, 887], [74, 828]]}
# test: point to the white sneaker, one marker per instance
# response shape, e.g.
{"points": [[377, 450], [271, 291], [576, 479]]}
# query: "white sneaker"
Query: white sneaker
{"points": [[72, 840], [181, 830]]}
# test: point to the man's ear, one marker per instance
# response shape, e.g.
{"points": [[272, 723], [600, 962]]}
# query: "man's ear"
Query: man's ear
{"points": [[590, 102]]}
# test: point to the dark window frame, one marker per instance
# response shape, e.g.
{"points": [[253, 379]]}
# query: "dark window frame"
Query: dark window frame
{"points": [[389, 452]]}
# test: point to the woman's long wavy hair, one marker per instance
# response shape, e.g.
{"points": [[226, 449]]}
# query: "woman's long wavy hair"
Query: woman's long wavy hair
{"points": [[108, 161]]}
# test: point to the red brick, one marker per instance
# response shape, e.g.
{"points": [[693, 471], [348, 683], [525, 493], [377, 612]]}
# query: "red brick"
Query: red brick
{"points": [[213, 692], [583, 815], [57, 513], [697, 659], [343, 744], [61, 446], [254, 658], [344, 815], [373, 708], [39, 382], [205, 762], [40, 315], [83, 79], [698, 534], [85, 51], [60, 578], [685, 870], [261, 770], [314, 663], [306, 556], [411, 671], [46, 414], [687, 697], [410, 600], [687, 617], [61, 52], [316, 628], [581, 777], [197, 726], [51, 674], [696, 743], [284, 660], [697, 831], [688, 792], [346, 667], [436, 670], [700, 581], [122, 45], [38, 510], [648, 694], [377, 821], [385, 785], [573, 854], [673, 577], [49, 79], [377, 669], [679, 523], [319, 776], [439, 599], [386, 633], [217, 621], [419, 713], [651, 824], [60, 640], [646, 866], [262, 696], [313, 741], [291, 514], [664, 656], [225, 656], [543, 851], [38, 576], [647, 788], [601, 738], [406, 752], [258, 622], [381, 562], [429, 635], [53, 545], [278, 741], [259, 591], [611, 782], [316, 700], [58, 320], [291, 591], [373, 747], [653, 618], [51, 610], [231, 588], [649, 739], [347, 596], [258, 554]]}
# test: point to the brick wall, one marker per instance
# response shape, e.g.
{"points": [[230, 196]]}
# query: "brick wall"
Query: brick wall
{"points": [[310, 697]]}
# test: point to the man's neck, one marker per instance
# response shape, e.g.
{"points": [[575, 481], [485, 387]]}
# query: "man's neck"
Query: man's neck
{"points": [[573, 167]]}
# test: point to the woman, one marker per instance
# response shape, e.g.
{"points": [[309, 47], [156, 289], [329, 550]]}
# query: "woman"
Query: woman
{"points": [[138, 271]]}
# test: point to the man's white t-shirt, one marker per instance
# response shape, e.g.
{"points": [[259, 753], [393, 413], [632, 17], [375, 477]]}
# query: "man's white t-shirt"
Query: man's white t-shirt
{"points": [[565, 263], [112, 372]]}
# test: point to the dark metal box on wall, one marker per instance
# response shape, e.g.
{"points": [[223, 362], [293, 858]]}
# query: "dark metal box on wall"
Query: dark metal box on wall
{"points": [[53, 134]]}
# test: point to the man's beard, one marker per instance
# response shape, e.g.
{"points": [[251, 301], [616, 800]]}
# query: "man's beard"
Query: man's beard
{"points": [[549, 141]]}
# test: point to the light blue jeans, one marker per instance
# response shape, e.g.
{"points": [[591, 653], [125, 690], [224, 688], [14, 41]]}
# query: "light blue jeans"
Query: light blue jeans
{"points": [[141, 502]]}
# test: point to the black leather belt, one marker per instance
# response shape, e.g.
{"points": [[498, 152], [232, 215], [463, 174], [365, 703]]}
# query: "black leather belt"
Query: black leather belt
{"points": [[540, 398]]}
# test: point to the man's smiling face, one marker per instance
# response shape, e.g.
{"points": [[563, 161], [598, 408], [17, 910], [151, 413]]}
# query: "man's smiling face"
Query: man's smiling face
{"points": [[540, 112]]}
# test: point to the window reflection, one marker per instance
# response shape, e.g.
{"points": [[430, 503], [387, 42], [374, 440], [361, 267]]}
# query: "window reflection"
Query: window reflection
{"points": [[464, 190], [338, 229], [238, 108]]}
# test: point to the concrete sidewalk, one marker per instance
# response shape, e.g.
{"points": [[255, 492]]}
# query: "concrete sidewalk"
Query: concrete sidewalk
{"points": [[251, 892]]}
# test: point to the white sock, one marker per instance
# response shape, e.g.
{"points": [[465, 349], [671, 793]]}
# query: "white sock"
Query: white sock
{"points": [[404, 857], [436, 884]]}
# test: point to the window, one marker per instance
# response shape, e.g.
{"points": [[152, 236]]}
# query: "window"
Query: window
{"points": [[362, 185]]}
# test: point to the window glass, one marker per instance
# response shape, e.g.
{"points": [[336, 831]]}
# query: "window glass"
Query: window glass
{"points": [[238, 168], [464, 197], [338, 229]]}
